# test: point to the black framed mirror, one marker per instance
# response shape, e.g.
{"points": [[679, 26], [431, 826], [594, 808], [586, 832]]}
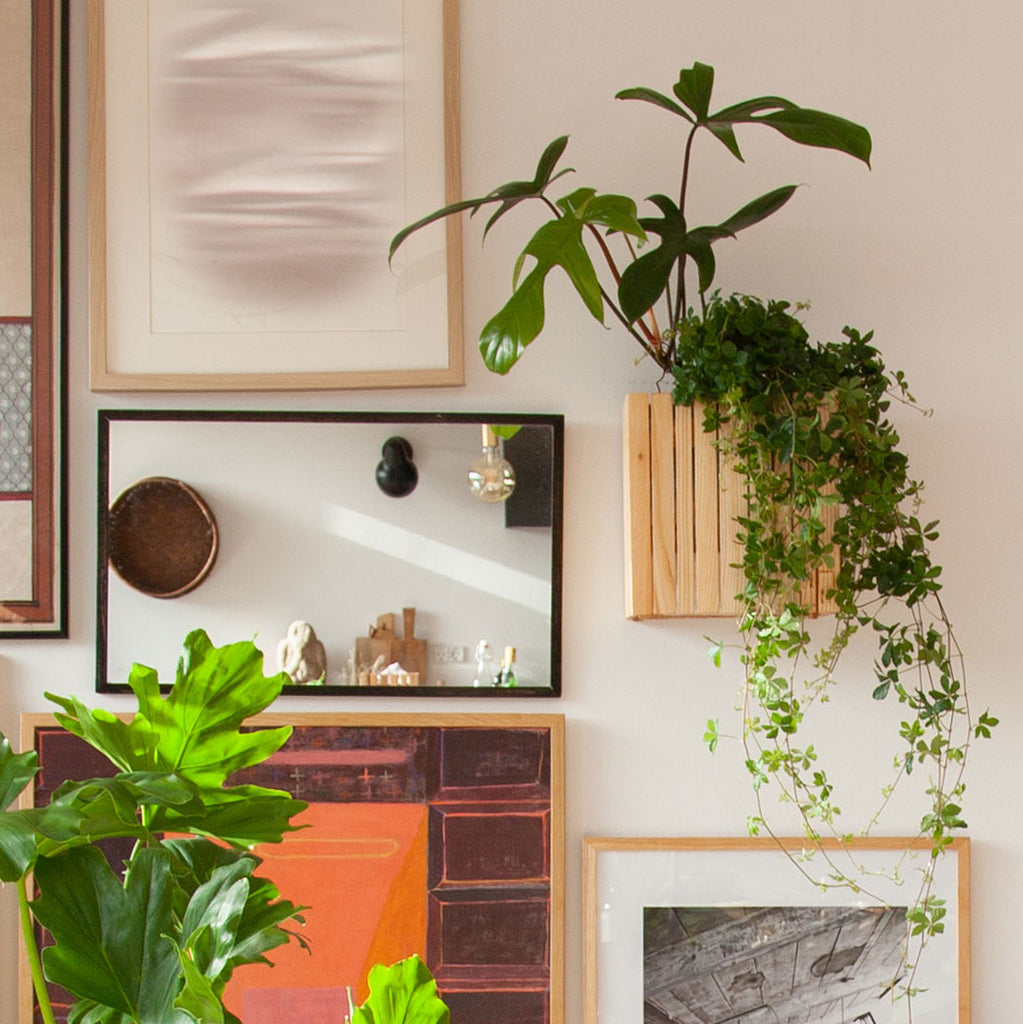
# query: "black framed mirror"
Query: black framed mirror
{"points": [[266, 525]]}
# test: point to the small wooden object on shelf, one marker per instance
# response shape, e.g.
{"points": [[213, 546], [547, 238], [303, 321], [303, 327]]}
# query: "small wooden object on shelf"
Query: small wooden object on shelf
{"points": [[383, 647]]}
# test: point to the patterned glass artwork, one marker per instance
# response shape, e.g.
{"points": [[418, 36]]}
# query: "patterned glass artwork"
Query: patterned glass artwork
{"points": [[15, 407]]}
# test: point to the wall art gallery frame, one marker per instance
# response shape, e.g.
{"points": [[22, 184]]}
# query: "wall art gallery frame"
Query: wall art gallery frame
{"points": [[33, 276], [753, 914], [422, 790], [219, 265]]}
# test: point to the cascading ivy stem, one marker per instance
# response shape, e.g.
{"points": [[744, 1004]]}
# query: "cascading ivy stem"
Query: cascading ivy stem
{"points": [[806, 425]]}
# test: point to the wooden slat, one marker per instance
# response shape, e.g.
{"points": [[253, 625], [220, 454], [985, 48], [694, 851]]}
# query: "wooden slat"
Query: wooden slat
{"points": [[706, 512], [733, 504], [662, 504], [685, 525], [636, 473]]}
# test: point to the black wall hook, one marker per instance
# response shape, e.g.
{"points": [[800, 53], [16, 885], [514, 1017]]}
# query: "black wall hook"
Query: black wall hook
{"points": [[396, 473]]}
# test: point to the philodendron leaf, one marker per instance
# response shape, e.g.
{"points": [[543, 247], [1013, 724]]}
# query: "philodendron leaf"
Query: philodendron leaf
{"points": [[800, 124], [404, 993], [644, 280], [109, 940], [699, 240], [17, 828], [658, 99], [507, 195], [197, 997], [558, 243], [240, 815], [259, 928], [16, 772], [194, 731], [694, 87]]}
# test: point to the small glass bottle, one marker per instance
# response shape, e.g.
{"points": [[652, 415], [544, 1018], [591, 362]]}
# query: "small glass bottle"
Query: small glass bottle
{"points": [[506, 677], [484, 665]]}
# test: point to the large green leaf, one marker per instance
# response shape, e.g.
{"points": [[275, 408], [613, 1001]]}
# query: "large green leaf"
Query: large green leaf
{"points": [[644, 280], [17, 831], [193, 730], [558, 243], [109, 943], [16, 772], [404, 993], [258, 930], [800, 124], [240, 815]]}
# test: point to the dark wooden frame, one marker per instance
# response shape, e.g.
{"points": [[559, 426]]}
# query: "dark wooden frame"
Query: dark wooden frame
{"points": [[554, 421], [45, 614]]}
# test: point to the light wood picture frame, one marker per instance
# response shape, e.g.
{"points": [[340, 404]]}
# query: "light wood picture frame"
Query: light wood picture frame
{"points": [[247, 170], [675, 922], [33, 319], [490, 914]]}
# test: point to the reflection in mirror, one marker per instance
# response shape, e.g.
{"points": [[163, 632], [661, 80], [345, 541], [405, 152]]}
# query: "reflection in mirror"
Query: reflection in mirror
{"points": [[348, 588]]}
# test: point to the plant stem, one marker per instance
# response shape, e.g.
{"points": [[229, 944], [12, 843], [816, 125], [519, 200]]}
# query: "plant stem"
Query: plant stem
{"points": [[32, 949], [680, 298]]}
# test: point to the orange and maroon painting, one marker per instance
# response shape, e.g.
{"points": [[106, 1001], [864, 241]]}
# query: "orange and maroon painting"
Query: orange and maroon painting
{"points": [[442, 839]]}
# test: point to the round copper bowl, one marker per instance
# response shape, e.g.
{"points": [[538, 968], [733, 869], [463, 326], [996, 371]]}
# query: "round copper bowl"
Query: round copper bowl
{"points": [[161, 537]]}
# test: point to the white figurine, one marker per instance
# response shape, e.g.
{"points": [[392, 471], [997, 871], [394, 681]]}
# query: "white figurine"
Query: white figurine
{"points": [[301, 655]]}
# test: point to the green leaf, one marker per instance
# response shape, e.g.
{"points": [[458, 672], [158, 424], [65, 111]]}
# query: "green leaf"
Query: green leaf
{"points": [[694, 87], [197, 862], [240, 815], [109, 941], [194, 730], [17, 828], [816, 128], [404, 993], [197, 997], [754, 212], [507, 195], [658, 99], [645, 279], [16, 772], [711, 734], [558, 243]]}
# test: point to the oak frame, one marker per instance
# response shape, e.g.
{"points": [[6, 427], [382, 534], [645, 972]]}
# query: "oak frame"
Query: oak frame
{"points": [[32, 723], [107, 375], [679, 854]]}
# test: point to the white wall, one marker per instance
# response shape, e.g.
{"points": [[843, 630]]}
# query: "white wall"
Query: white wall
{"points": [[924, 249]]}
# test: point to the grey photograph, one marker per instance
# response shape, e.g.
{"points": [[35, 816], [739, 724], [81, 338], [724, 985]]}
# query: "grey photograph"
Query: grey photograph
{"points": [[771, 965]]}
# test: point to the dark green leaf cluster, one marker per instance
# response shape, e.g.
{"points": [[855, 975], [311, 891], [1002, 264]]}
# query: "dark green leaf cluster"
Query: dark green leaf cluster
{"points": [[828, 488], [158, 943], [638, 281]]}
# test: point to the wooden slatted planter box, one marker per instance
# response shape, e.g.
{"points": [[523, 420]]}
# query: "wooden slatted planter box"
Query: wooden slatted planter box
{"points": [[681, 500]]}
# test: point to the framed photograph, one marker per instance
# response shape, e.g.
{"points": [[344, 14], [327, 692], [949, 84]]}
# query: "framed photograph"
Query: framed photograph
{"points": [[249, 165], [248, 524], [441, 835], [679, 931], [33, 189]]}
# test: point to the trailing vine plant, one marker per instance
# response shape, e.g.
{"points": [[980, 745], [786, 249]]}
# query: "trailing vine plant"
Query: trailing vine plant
{"points": [[828, 489]]}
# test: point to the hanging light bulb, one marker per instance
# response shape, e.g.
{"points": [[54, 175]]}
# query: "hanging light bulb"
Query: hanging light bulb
{"points": [[491, 476]]}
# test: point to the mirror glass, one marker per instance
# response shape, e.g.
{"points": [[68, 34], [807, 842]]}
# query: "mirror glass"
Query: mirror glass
{"points": [[258, 526]]}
